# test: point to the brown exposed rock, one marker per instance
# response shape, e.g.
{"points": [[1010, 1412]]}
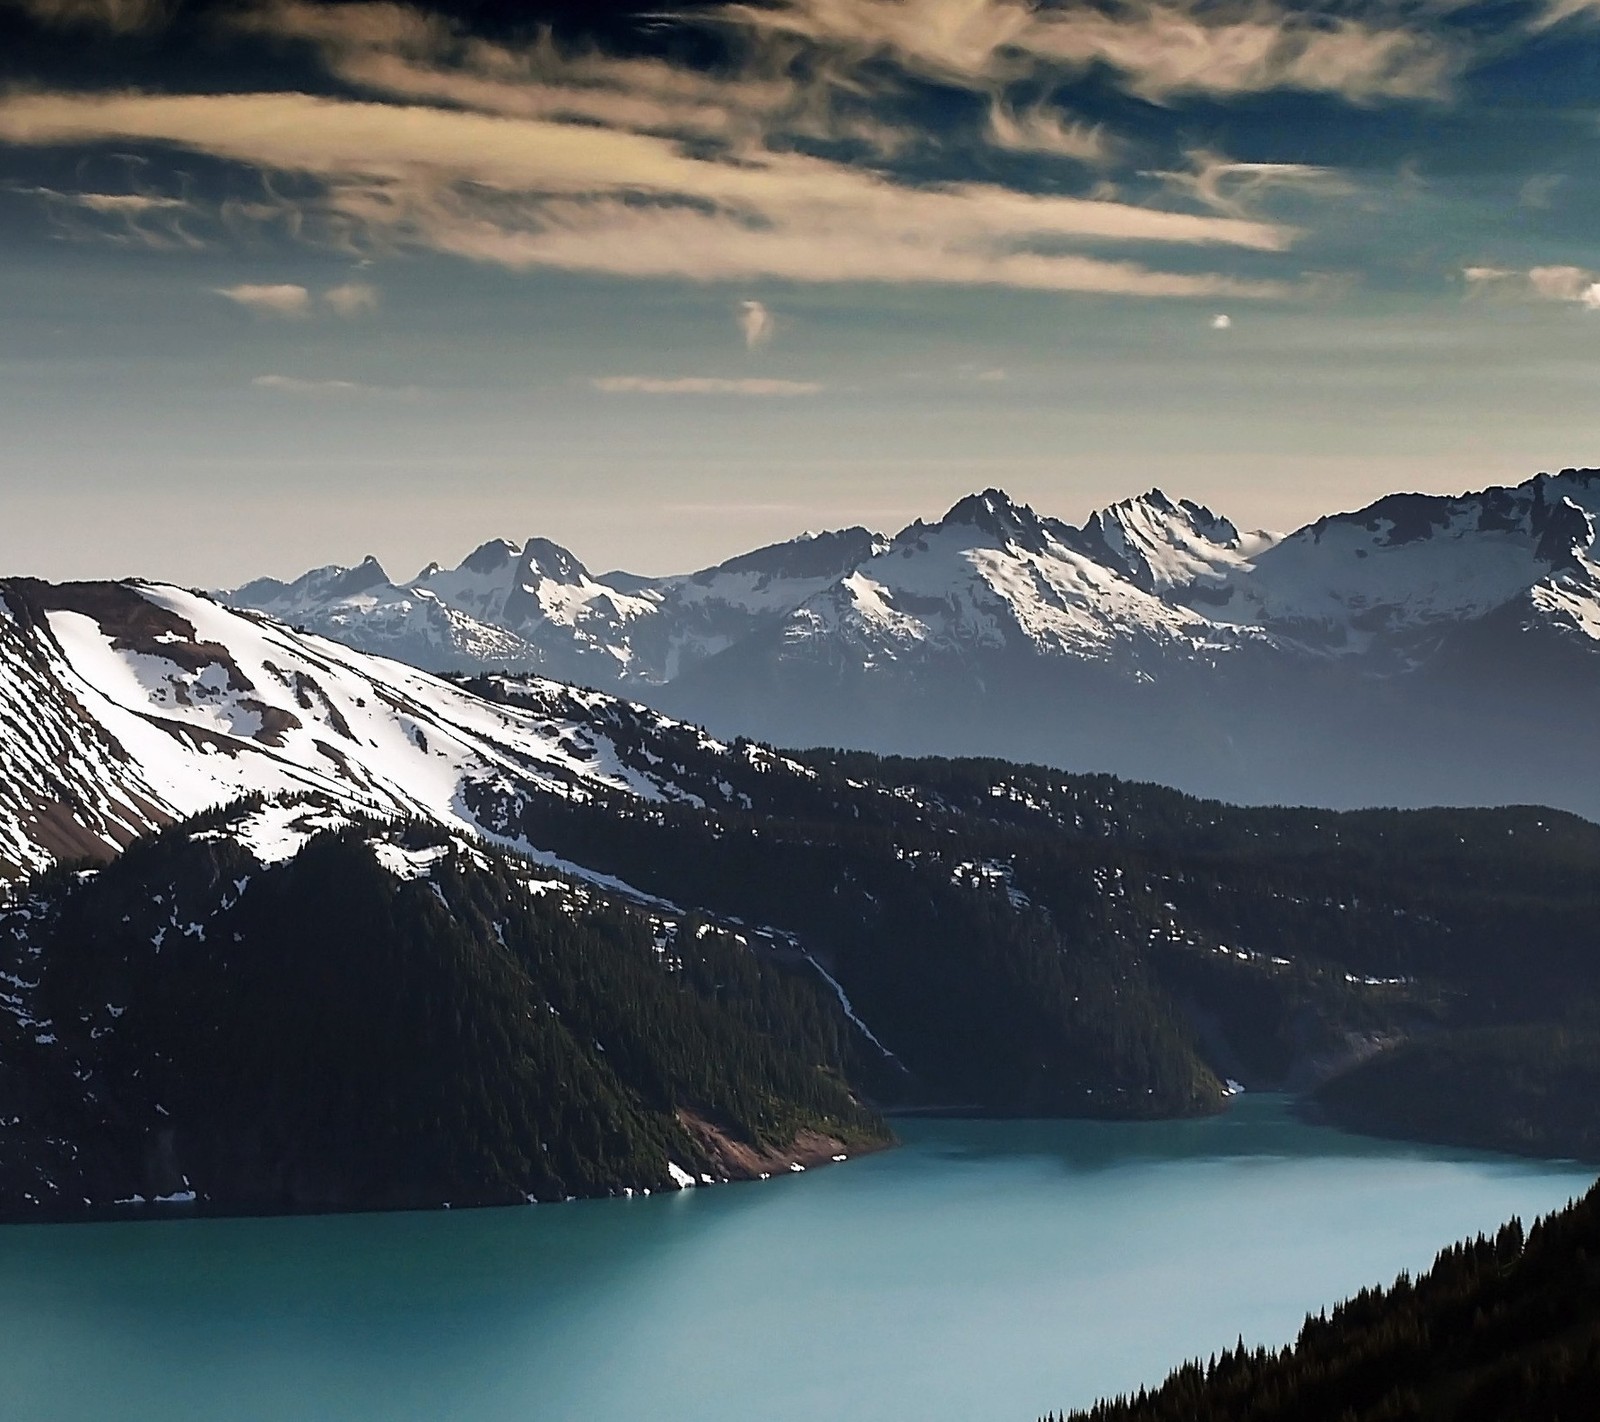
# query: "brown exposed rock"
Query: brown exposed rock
{"points": [[741, 1160], [134, 624], [275, 721]]}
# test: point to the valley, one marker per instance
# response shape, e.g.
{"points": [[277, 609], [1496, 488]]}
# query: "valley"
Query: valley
{"points": [[610, 950]]}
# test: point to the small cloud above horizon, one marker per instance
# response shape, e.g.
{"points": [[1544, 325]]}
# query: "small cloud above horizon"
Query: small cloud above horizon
{"points": [[702, 385], [348, 299], [269, 299], [296, 385], [352, 298], [756, 322], [1577, 285]]}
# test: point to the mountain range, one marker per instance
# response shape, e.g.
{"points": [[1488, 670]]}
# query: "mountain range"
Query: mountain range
{"points": [[548, 941], [1401, 654]]}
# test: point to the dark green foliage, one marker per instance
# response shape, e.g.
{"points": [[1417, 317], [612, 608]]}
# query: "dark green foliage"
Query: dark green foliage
{"points": [[321, 1035], [1020, 940], [1530, 1089], [1499, 1329], [1031, 941], [986, 1005]]}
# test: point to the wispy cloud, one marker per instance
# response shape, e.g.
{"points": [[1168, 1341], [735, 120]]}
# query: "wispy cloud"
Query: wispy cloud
{"points": [[116, 16], [275, 299], [1557, 11], [1577, 285], [159, 221], [1160, 50], [352, 298], [295, 385], [703, 385], [1041, 129], [755, 323], [537, 154], [1233, 188], [532, 192]]}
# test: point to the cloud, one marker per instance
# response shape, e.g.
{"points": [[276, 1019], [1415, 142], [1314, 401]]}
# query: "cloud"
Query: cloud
{"points": [[154, 220], [125, 204], [1160, 51], [756, 322], [348, 299], [1556, 11], [281, 299], [1228, 186], [402, 53], [117, 16], [1222, 322], [294, 385], [702, 385], [352, 298], [1576, 285], [1566, 284], [533, 192], [1041, 129]]}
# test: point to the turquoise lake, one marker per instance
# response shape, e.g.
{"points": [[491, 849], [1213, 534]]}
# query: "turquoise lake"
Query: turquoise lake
{"points": [[985, 1270]]}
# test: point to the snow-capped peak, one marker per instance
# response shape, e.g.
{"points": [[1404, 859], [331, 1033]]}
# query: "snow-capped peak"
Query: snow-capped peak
{"points": [[1166, 547], [488, 557], [995, 513], [368, 573], [543, 559], [1412, 563]]}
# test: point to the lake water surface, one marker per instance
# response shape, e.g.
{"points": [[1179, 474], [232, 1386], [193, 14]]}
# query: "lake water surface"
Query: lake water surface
{"points": [[986, 1270]]}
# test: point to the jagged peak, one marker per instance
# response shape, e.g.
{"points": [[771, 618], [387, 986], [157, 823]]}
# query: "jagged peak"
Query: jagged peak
{"points": [[1161, 509], [1528, 508], [491, 556], [347, 582], [1568, 532], [826, 553], [546, 559], [992, 502], [1152, 498], [995, 512]]}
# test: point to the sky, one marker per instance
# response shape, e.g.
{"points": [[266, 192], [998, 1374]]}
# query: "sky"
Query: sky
{"points": [[288, 282]]}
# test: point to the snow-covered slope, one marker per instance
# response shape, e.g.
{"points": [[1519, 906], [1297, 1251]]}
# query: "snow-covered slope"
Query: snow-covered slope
{"points": [[537, 607], [123, 705], [1397, 653], [1170, 549], [362, 608], [1411, 564], [1386, 580], [993, 575]]}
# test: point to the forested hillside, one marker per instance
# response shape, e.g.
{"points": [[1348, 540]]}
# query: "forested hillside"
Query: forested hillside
{"points": [[731, 949], [388, 1017], [1029, 941], [1499, 1328], [1529, 1089]]}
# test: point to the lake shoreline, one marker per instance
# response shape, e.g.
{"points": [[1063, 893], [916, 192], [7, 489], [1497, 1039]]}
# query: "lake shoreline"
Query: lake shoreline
{"points": [[984, 1268], [810, 1151]]}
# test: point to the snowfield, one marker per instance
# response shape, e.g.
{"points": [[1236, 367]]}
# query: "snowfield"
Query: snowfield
{"points": [[127, 728]]}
